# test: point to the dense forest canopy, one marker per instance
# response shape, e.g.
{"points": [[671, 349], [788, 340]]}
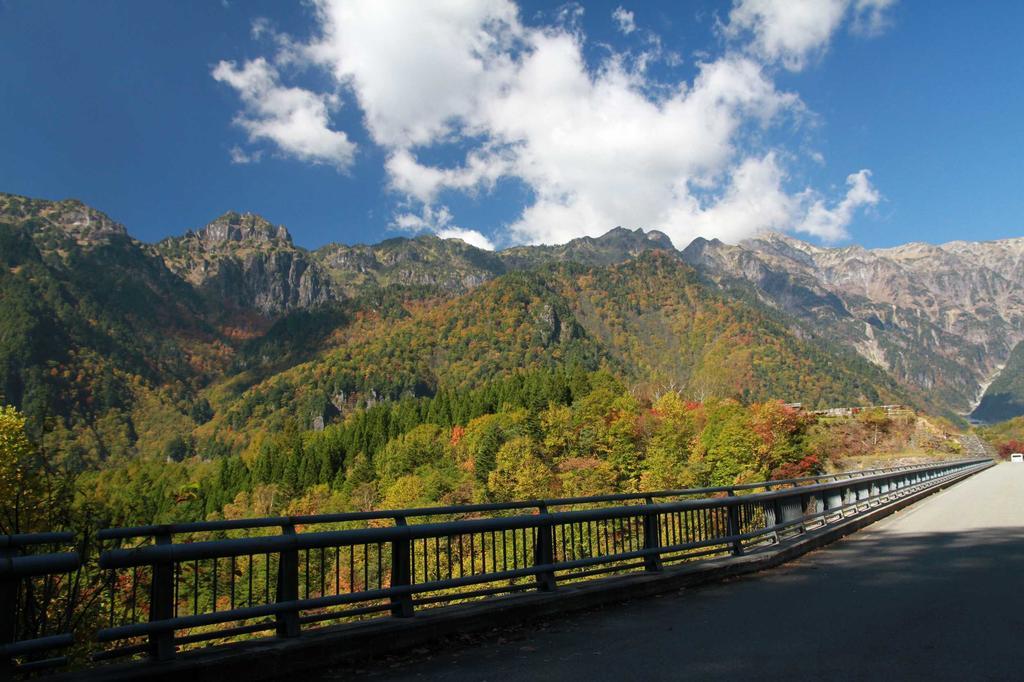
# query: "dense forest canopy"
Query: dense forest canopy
{"points": [[538, 434]]}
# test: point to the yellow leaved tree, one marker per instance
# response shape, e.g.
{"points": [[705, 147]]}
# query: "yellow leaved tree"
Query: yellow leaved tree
{"points": [[20, 485]]}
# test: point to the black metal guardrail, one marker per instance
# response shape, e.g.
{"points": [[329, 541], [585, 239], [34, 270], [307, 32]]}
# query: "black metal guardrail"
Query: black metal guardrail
{"points": [[216, 582], [32, 588]]}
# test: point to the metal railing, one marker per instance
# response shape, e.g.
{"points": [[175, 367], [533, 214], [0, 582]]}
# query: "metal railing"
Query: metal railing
{"points": [[156, 531], [162, 588], [167, 592], [37, 595]]}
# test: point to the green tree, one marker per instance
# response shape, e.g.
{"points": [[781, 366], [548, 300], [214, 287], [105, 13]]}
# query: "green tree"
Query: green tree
{"points": [[666, 466], [21, 487], [520, 474], [424, 445], [727, 444], [177, 449], [201, 411]]}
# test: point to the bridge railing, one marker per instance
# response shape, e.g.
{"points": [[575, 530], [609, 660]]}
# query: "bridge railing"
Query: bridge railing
{"points": [[153, 532], [38, 591], [167, 593]]}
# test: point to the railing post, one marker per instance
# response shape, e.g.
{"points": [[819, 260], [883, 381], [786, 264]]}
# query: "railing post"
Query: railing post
{"points": [[805, 501], [401, 573], [833, 500], [652, 539], [734, 526], [288, 587], [777, 517], [543, 552], [8, 602], [161, 604]]}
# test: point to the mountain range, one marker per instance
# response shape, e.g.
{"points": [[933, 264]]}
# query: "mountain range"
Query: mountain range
{"points": [[109, 343], [944, 319]]}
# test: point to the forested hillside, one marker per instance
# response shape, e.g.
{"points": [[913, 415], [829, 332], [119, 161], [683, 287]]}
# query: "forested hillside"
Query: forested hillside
{"points": [[230, 372], [95, 333]]}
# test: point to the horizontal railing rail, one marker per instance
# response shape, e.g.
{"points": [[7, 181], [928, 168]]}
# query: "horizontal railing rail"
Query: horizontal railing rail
{"points": [[278, 521], [31, 586], [168, 594], [149, 554]]}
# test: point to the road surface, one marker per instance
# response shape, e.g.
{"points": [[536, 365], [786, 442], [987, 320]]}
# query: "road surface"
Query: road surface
{"points": [[933, 592]]}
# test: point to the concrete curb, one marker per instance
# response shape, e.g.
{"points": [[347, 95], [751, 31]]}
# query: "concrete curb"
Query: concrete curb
{"points": [[344, 644]]}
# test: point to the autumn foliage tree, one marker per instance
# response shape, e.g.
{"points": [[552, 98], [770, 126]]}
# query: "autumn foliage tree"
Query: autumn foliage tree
{"points": [[1009, 447], [33, 495]]}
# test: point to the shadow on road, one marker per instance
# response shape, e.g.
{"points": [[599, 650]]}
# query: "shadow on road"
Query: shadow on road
{"points": [[879, 605]]}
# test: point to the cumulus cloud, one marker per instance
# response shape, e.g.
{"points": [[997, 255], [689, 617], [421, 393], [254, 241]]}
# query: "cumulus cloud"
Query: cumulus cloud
{"points": [[793, 31], [600, 153], [296, 120], [625, 19], [439, 221], [595, 145], [429, 218], [482, 170], [418, 69], [830, 223], [471, 237]]}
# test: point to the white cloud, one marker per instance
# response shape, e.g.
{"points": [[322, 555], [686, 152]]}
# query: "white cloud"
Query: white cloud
{"points": [[439, 221], [296, 120], [754, 201], [429, 218], [830, 223], [869, 16], [482, 169], [418, 69], [625, 20], [596, 146], [787, 30], [471, 237], [240, 156], [600, 153], [793, 31]]}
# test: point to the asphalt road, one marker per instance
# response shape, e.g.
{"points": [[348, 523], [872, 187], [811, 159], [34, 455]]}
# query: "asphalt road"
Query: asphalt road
{"points": [[933, 592]]}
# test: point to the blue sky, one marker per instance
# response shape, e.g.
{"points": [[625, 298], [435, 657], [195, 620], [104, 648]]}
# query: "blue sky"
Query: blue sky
{"points": [[864, 121]]}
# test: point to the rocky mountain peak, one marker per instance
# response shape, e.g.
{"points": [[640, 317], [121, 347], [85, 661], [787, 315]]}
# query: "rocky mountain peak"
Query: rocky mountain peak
{"points": [[699, 246], [784, 246], [69, 217], [620, 232], [638, 239], [246, 261], [660, 239], [244, 227], [423, 260]]}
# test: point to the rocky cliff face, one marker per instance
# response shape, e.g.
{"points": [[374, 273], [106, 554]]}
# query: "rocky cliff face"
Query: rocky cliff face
{"points": [[455, 266], [243, 228], [615, 246], [245, 261], [426, 260], [59, 226], [941, 318]]}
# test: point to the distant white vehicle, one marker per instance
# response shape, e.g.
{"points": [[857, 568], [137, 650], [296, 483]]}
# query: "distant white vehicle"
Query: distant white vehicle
{"points": [[1017, 458]]}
